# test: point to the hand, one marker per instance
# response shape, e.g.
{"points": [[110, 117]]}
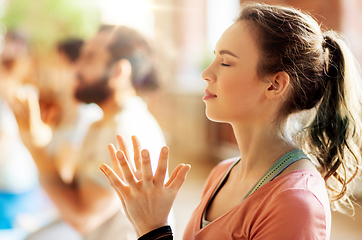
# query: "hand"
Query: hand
{"points": [[147, 200], [137, 160], [34, 132]]}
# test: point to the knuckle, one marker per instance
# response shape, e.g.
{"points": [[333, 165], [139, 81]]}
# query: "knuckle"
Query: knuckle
{"points": [[123, 163], [148, 178]]}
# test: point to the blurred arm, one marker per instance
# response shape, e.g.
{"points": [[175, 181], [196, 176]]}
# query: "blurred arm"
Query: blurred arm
{"points": [[84, 207]]}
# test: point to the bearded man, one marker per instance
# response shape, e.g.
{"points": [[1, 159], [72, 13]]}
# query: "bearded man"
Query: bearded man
{"points": [[112, 67]]}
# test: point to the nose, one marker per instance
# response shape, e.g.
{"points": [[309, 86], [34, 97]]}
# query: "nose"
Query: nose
{"points": [[208, 74]]}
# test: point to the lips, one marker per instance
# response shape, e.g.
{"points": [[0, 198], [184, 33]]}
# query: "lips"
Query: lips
{"points": [[209, 95]]}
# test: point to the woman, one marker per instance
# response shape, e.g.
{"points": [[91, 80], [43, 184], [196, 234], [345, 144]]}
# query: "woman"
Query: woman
{"points": [[274, 70]]}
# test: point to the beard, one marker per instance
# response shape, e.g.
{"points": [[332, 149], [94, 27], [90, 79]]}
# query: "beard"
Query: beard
{"points": [[96, 92]]}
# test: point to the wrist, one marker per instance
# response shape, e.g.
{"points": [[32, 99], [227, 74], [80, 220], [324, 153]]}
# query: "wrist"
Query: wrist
{"points": [[143, 230], [164, 232]]}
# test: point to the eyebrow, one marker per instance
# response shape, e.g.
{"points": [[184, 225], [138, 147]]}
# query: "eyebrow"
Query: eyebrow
{"points": [[222, 52]]}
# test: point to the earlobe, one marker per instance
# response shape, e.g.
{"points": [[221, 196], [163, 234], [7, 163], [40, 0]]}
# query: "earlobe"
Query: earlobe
{"points": [[278, 85]]}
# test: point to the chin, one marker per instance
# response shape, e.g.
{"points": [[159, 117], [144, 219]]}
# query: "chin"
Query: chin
{"points": [[214, 117]]}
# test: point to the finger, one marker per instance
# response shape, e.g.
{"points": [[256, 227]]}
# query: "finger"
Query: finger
{"points": [[126, 168], [174, 174], [161, 171], [21, 110], [180, 178], [108, 172], [18, 105], [33, 105], [115, 164], [23, 100], [118, 192], [119, 186], [147, 175], [122, 145], [137, 152]]}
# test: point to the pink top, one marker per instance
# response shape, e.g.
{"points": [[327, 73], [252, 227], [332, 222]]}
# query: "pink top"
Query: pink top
{"points": [[292, 206]]}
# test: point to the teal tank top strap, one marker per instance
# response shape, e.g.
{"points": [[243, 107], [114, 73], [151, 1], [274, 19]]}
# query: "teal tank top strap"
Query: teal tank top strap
{"points": [[279, 166]]}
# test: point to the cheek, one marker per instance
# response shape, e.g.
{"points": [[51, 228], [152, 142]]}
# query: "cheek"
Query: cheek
{"points": [[242, 94], [233, 89]]}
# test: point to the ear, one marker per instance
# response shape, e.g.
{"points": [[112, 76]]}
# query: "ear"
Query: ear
{"points": [[278, 85], [121, 72]]}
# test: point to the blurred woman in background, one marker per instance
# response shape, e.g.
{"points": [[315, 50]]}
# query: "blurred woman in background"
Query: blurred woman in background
{"points": [[21, 199]]}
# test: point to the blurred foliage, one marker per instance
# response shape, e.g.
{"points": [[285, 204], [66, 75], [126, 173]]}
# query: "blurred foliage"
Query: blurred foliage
{"points": [[45, 22]]}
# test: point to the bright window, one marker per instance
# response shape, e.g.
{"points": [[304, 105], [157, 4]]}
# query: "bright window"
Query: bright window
{"points": [[133, 13], [220, 15]]}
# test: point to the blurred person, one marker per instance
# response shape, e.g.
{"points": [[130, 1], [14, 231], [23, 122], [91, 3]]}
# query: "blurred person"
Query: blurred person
{"points": [[68, 118], [16, 66], [21, 198], [112, 66], [274, 70]]}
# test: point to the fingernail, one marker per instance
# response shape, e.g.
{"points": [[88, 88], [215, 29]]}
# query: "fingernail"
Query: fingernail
{"points": [[165, 150], [103, 168], [119, 155], [189, 166], [145, 153]]}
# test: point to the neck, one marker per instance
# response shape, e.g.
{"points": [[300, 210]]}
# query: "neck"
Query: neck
{"points": [[260, 147], [114, 103]]}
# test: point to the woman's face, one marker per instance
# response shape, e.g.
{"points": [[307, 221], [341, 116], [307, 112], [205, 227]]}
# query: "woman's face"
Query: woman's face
{"points": [[234, 91]]}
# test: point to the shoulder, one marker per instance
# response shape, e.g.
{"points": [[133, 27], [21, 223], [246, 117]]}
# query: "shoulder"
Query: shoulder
{"points": [[132, 106], [299, 199], [136, 117], [296, 205], [302, 180], [298, 202], [299, 185], [301, 212]]}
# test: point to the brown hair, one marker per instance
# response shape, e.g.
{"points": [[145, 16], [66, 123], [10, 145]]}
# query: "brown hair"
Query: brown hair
{"points": [[323, 80], [129, 44], [71, 48]]}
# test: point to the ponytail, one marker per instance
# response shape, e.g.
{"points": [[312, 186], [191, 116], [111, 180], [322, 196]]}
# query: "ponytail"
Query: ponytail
{"points": [[335, 132], [324, 81]]}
